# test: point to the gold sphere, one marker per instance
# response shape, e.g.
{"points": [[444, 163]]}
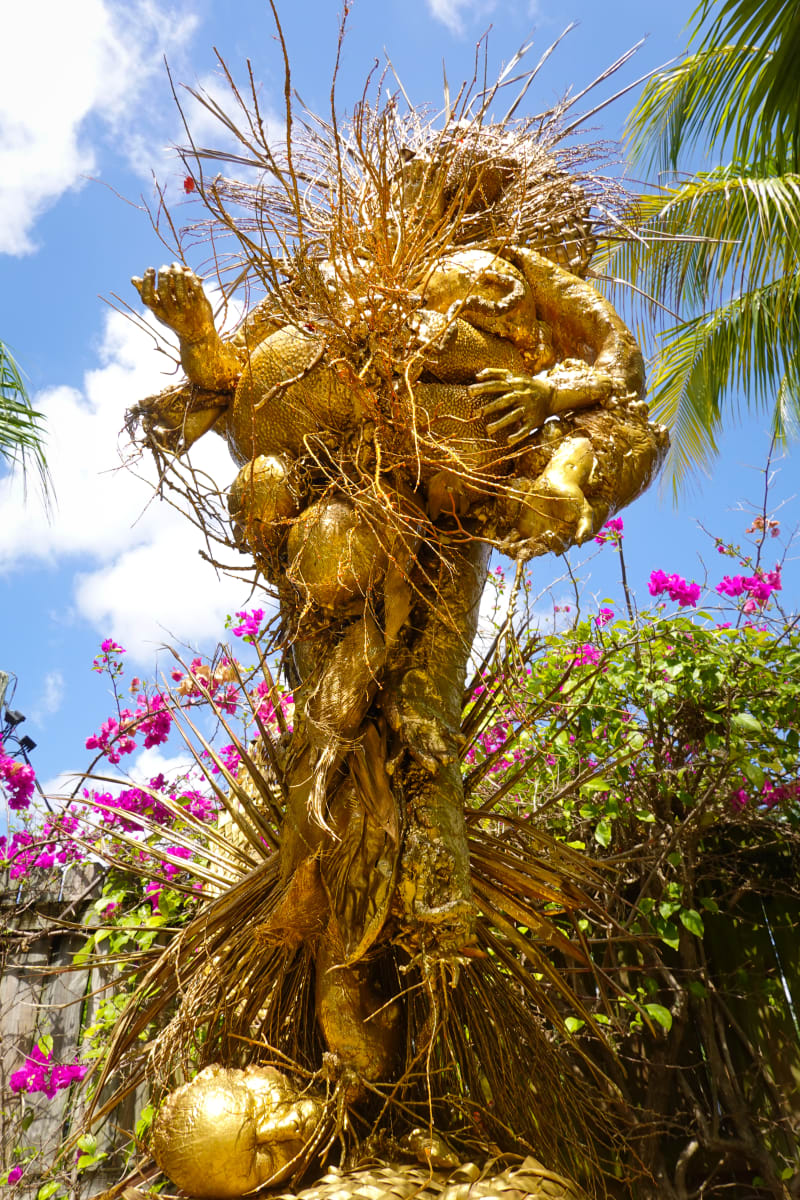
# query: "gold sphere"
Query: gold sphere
{"points": [[228, 1131]]}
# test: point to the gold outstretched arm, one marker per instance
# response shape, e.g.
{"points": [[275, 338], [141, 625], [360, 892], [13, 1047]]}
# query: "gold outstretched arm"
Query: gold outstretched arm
{"points": [[175, 296]]}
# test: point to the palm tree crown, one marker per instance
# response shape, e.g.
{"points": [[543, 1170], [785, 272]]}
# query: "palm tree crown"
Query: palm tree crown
{"points": [[719, 248]]}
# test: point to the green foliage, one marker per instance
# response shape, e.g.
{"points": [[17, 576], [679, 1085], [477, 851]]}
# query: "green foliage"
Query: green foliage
{"points": [[21, 432], [663, 746], [717, 251], [667, 747], [736, 89]]}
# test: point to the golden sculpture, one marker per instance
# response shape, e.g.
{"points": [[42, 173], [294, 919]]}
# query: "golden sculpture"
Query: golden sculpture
{"points": [[429, 377], [230, 1132]]}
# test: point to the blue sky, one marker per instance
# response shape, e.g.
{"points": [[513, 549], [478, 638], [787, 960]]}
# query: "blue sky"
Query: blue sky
{"points": [[86, 120]]}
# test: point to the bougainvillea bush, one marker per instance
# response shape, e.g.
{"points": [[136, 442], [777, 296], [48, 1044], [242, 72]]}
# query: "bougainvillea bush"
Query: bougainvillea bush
{"points": [[663, 743]]}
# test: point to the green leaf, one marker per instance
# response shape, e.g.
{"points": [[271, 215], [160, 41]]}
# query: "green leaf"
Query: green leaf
{"points": [[667, 908], [90, 1160], [746, 724], [603, 832], [753, 773], [669, 935], [697, 989], [573, 1024], [690, 919], [145, 1121], [87, 1142], [595, 785], [660, 1014], [48, 1189], [709, 904], [22, 432], [45, 1044]]}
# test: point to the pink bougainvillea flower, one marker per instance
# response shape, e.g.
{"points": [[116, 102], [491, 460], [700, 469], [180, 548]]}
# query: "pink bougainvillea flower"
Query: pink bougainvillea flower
{"points": [[112, 740], [587, 654], [677, 588], [109, 646], [739, 800], [41, 1074], [18, 780], [153, 720], [611, 531], [251, 623], [759, 587]]}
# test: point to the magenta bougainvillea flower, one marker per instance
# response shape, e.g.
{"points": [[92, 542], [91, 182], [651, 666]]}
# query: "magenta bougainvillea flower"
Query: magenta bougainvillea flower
{"points": [[676, 587], [611, 531]]}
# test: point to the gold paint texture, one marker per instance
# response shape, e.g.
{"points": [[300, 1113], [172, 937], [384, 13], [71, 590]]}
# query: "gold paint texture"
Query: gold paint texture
{"points": [[230, 1131], [507, 412]]}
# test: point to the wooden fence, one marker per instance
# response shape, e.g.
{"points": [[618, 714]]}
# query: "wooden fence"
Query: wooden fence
{"points": [[37, 998]]}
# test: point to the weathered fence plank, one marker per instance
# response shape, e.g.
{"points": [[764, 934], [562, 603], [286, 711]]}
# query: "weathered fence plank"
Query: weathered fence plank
{"points": [[38, 996]]}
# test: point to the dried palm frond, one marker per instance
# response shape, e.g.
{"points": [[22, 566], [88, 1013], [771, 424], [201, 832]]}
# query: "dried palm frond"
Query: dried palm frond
{"points": [[488, 1060]]}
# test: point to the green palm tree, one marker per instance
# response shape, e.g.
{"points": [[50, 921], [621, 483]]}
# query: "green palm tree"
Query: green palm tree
{"points": [[718, 249], [21, 429]]}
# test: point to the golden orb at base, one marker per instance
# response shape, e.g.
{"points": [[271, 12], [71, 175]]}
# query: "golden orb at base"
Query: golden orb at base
{"points": [[228, 1131]]}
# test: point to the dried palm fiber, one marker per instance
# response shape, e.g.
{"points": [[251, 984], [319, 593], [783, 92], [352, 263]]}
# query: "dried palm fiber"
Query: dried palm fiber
{"points": [[485, 1061]]}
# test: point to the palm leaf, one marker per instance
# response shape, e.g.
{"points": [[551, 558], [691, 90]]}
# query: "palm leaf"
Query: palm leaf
{"points": [[719, 253], [736, 90], [696, 244], [21, 431], [749, 342]]}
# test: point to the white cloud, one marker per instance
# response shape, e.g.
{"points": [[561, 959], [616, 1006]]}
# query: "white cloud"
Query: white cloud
{"points": [[150, 763], [190, 604], [139, 577], [67, 67], [50, 698], [452, 12]]}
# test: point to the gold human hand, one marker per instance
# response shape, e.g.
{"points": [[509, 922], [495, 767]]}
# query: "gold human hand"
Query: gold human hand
{"points": [[552, 513], [522, 405], [177, 298]]}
